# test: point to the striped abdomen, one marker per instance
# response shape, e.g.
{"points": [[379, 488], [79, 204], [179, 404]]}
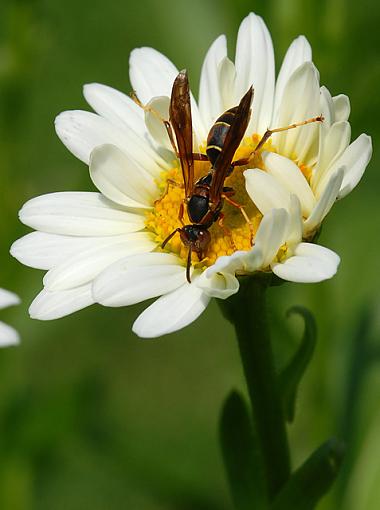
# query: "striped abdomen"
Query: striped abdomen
{"points": [[218, 133]]}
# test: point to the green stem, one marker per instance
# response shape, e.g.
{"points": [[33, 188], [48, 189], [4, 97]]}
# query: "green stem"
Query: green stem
{"points": [[247, 311]]}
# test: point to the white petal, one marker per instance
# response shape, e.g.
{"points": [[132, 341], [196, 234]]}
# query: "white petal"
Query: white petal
{"points": [[265, 190], [240, 262], [218, 285], [210, 100], [54, 305], [120, 179], [294, 229], [325, 202], [225, 264], [326, 108], [44, 251], [333, 143], [134, 279], [355, 159], [82, 131], [227, 78], [300, 101], [157, 111], [298, 53], [8, 298], [8, 335], [342, 107], [255, 66], [310, 263], [83, 267], [271, 234], [115, 106], [171, 312], [151, 75], [292, 179], [79, 213]]}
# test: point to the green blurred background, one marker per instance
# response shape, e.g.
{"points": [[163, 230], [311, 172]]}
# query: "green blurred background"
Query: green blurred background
{"points": [[91, 417]]}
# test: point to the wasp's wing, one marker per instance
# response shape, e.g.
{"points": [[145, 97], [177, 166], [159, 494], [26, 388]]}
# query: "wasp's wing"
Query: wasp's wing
{"points": [[180, 119], [234, 137]]}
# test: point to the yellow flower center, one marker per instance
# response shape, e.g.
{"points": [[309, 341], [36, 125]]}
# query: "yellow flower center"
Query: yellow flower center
{"points": [[234, 234]]}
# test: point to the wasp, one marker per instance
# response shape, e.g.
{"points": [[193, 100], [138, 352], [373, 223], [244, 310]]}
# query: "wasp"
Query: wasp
{"points": [[205, 197]]}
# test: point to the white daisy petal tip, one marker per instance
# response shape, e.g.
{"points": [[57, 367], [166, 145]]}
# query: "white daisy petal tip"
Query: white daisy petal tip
{"points": [[79, 213], [48, 305], [310, 263], [171, 312], [9, 337], [8, 298], [254, 63], [298, 52], [342, 107], [356, 159], [210, 93]]}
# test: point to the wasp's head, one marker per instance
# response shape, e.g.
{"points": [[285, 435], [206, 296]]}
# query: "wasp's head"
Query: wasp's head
{"points": [[196, 237]]}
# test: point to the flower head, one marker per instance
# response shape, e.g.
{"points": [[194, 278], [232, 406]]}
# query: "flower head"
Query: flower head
{"points": [[8, 335], [106, 247]]}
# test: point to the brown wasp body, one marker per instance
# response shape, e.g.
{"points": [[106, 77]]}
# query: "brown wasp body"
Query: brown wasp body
{"points": [[204, 198]]}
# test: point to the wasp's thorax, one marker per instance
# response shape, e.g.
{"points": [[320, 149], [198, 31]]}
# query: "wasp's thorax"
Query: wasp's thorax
{"points": [[198, 206]]}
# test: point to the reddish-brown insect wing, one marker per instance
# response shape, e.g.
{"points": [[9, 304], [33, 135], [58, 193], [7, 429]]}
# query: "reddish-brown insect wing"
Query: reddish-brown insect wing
{"points": [[180, 119]]}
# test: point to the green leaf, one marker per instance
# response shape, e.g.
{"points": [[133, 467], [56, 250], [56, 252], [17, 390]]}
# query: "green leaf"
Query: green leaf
{"points": [[291, 376], [242, 457], [313, 479]]}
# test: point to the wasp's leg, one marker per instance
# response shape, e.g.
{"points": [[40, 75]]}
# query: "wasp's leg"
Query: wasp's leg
{"points": [[166, 123], [181, 211], [226, 230], [169, 182], [228, 191], [269, 132], [242, 210]]}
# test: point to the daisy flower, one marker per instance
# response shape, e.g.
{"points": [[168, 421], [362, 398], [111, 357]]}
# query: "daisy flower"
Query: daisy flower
{"points": [[8, 335], [105, 246]]}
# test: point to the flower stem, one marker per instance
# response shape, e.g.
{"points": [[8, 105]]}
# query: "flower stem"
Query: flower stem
{"points": [[247, 311]]}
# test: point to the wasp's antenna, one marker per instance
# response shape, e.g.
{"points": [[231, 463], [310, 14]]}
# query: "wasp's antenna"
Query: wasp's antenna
{"points": [[169, 237], [188, 265]]}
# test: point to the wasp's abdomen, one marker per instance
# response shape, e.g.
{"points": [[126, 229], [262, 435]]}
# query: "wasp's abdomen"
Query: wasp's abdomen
{"points": [[218, 133]]}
